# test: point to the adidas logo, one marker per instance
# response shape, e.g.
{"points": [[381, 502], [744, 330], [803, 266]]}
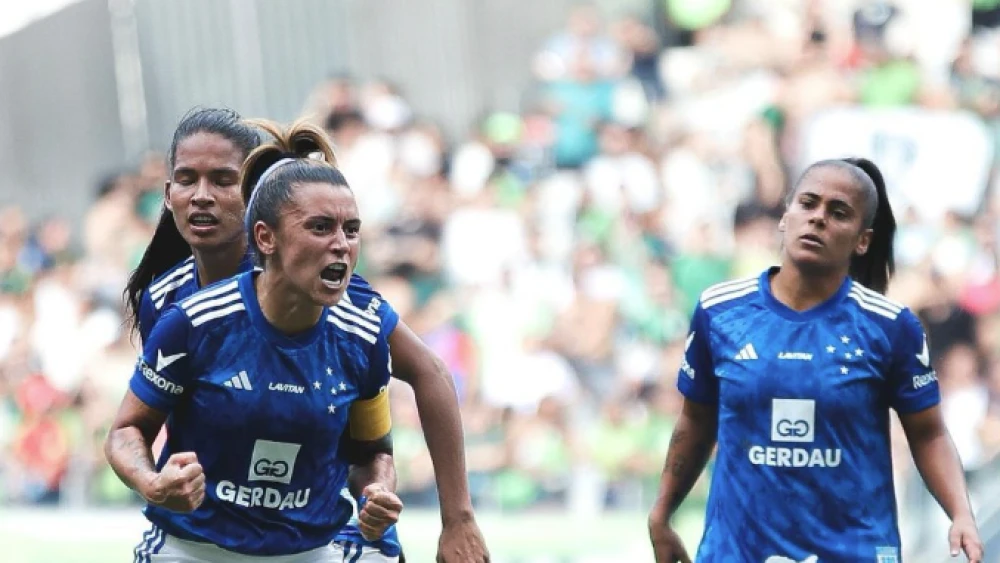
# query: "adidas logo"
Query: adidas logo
{"points": [[747, 353], [240, 381]]}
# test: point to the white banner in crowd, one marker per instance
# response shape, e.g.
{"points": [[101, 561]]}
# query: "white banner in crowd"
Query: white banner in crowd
{"points": [[933, 161]]}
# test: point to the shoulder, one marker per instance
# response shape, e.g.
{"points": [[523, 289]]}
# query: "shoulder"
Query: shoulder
{"points": [[894, 319], [879, 308], [214, 304], [364, 324], [361, 295], [358, 284], [724, 296], [163, 288]]}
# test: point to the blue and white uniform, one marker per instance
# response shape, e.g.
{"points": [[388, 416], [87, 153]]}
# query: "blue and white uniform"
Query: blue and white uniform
{"points": [[804, 469], [264, 413], [181, 281]]}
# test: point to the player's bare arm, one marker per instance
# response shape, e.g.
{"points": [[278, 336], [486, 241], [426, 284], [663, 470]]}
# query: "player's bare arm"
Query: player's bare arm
{"points": [[434, 390], [129, 443], [937, 460], [690, 447], [179, 486]]}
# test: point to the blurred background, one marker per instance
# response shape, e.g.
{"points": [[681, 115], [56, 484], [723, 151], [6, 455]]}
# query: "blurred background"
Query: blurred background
{"points": [[546, 188]]}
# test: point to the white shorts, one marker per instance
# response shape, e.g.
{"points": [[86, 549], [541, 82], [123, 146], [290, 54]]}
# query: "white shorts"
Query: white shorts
{"points": [[159, 547], [349, 552]]}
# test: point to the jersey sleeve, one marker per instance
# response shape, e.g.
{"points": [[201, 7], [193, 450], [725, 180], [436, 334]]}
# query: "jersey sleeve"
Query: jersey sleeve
{"points": [[913, 383], [148, 314], [370, 419], [163, 370], [375, 309], [696, 379]]}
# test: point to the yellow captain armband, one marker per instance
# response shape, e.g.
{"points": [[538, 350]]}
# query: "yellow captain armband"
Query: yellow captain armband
{"points": [[370, 419]]}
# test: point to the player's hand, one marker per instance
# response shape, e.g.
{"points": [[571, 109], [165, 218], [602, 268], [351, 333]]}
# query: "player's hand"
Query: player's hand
{"points": [[180, 485], [381, 510], [667, 545], [963, 536], [462, 542]]}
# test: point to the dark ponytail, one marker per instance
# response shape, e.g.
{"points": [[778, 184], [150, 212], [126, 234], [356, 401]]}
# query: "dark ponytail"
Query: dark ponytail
{"points": [[875, 268], [167, 246], [300, 154]]}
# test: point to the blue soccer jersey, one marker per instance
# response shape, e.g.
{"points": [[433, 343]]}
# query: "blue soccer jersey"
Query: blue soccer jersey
{"points": [[803, 469], [361, 296], [177, 283], [264, 413], [181, 281]]}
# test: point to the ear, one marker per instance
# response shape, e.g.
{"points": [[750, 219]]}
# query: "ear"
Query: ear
{"points": [[265, 238], [864, 241], [166, 196]]}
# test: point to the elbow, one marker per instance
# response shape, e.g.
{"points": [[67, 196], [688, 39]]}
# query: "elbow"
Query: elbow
{"points": [[441, 371], [109, 446]]}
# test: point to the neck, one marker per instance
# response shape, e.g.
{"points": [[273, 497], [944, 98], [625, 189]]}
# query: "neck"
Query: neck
{"points": [[287, 309], [218, 264], [800, 290]]}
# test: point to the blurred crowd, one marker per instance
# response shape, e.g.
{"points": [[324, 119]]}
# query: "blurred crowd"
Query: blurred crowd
{"points": [[552, 255]]}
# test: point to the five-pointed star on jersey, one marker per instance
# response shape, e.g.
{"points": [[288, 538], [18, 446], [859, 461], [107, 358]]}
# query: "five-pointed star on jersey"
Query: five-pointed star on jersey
{"points": [[848, 355]]}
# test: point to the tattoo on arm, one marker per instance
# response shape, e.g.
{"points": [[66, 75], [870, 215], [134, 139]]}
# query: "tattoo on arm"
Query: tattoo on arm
{"points": [[130, 456], [688, 453], [677, 463], [136, 453]]}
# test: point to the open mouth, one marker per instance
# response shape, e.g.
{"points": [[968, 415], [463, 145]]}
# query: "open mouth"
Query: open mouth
{"points": [[202, 220], [334, 275]]}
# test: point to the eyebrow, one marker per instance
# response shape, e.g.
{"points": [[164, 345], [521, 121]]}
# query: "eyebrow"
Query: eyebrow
{"points": [[330, 219], [833, 201], [189, 169]]}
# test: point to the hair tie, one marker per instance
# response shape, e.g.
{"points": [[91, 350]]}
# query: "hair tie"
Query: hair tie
{"points": [[260, 181]]}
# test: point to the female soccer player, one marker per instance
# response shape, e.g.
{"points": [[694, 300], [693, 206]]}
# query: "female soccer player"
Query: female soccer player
{"points": [[203, 221], [275, 343], [205, 217], [793, 374]]}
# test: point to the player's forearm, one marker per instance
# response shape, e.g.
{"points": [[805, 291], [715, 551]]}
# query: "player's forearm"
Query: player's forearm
{"points": [[379, 469], [442, 423], [131, 457], [941, 469], [690, 447]]}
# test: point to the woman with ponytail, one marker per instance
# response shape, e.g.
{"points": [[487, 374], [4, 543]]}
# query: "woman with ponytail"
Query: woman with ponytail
{"points": [[273, 179], [791, 374], [200, 238], [259, 378]]}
